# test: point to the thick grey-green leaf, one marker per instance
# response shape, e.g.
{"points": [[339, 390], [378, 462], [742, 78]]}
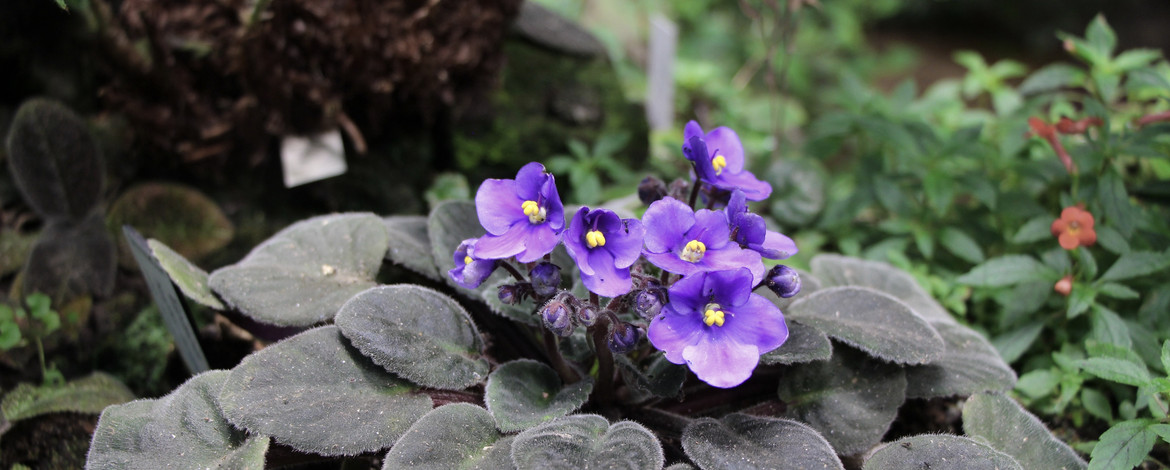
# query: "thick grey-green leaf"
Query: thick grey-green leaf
{"points": [[303, 274], [873, 321], [456, 436], [317, 394], [90, 394], [804, 344], [1009, 428], [524, 393], [740, 441], [837, 270], [184, 429], [654, 377], [969, 365], [939, 452], [191, 280], [71, 258], [417, 333], [851, 399], [587, 442], [410, 244]]}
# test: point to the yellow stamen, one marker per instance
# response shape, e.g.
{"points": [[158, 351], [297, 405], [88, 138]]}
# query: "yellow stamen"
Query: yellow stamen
{"points": [[535, 213], [713, 317], [594, 238], [719, 163], [693, 252], [467, 260]]}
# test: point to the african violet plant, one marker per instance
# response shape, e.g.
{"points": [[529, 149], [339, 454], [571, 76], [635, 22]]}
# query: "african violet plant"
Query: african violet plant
{"points": [[516, 362]]}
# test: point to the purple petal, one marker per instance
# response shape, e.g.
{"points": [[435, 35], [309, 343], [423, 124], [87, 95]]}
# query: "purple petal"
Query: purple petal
{"points": [[672, 334], [666, 221], [733, 257], [497, 206], [696, 151], [500, 246], [626, 246], [724, 141], [753, 189], [575, 240], [539, 240], [607, 280], [692, 130], [757, 322], [776, 246], [729, 288], [530, 180], [720, 362], [711, 229], [670, 262], [552, 203], [751, 229], [686, 296], [736, 206]]}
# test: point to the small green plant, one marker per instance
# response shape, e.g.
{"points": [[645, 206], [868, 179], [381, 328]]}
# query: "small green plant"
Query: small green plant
{"points": [[589, 169], [38, 320]]}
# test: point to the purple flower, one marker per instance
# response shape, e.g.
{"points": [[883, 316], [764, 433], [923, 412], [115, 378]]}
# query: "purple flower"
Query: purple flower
{"points": [[750, 231], [682, 241], [718, 159], [717, 326], [523, 217], [604, 247], [470, 271]]}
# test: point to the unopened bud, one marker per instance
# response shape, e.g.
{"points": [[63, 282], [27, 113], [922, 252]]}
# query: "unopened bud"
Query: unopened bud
{"points": [[556, 317], [545, 278], [679, 188], [651, 189], [783, 280], [586, 315], [623, 338], [648, 302], [1064, 286], [509, 294]]}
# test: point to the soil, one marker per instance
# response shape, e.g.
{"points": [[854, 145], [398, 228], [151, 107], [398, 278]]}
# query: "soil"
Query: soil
{"points": [[53, 441]]}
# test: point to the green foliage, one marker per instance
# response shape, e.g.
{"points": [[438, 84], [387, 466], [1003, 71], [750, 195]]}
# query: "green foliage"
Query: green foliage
{"points": [[89, 394], [468, 436], [522, 394], [587, 169], [941, 451], [875, 322], [743, 441], [54, 160], [586, 442]]}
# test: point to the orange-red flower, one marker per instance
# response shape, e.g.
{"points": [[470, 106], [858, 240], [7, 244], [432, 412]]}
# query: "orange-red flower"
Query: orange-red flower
{"points": [[1069, 126], [1064, 286], [1047, 131], [1074, 228]]}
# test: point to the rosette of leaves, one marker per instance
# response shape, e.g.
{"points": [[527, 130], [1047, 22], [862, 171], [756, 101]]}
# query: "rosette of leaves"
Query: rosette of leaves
{"points": [[57, 166]]}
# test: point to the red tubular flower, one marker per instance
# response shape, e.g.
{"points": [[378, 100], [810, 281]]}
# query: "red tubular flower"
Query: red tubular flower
{"points": [[1047, 132], [1069, 126], [1074, 228]]}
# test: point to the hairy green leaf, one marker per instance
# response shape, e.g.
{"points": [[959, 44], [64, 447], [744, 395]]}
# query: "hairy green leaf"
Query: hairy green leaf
{"points": [[54, 160], [317, 394], [90, 394], [1125, 445], [804, 344], [191, 280], [456, 436], [71, 258], [587, 442], [304, 273], [836, 270], [875, 322], [417, 333], [410, 244], [184, 429], [524, 393], [741, 441], [1009, 428], [655, 376], [969, 365], [939, 452]]}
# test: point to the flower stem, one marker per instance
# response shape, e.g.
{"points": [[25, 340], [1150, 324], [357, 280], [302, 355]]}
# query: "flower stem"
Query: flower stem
{"points": [[552, 347], [603, 390], [694, 194], [512, 269]]}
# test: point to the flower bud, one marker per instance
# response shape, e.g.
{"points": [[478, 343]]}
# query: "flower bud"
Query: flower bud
{"points": [[586, 315], [648, 302], [679, 188], [545, 279], [510, 294], [1064, 286], [623, 338], [556, 317], [651, 189], [783, 280]]}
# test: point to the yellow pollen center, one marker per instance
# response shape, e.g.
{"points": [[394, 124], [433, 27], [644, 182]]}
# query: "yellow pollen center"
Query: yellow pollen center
{"points": [[719, 163], [467, 260], [594, 238], [713, 317], [535, 213], [693, 252]]}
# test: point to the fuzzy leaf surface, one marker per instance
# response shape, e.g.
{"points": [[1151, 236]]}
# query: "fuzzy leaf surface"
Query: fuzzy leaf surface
{"points": [[191, 280], [72, 258], [804, 344], [656, 376], [410, 244], [304, 273], [459, 435], [185, 429], [851, 399], [969, 365], [872, 321], [524, 393], [837, 270], [317, 394], [54, 160], [587, 442], [741, 441], [417, 333], [90, 394], [939, 452], [1009, 428]]}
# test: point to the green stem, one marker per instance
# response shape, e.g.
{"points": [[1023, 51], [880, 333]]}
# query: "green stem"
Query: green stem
{"points": [[41, 356]]}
